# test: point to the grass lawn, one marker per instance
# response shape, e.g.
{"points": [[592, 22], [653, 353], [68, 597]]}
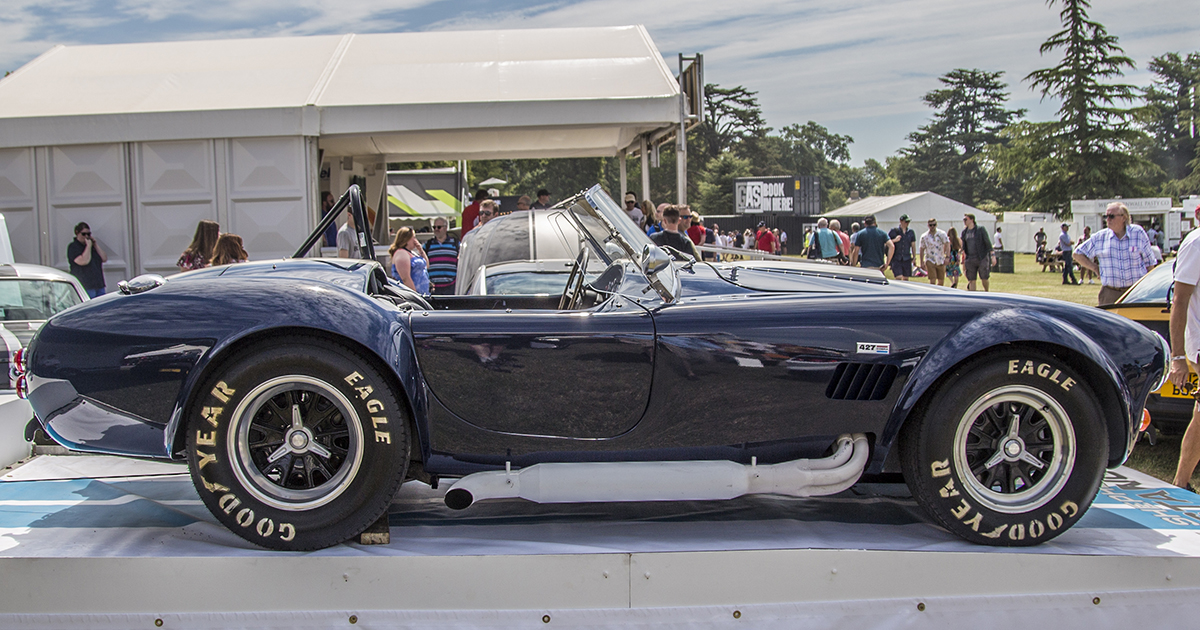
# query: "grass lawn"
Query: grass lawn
{"points": [[1029, 279]]}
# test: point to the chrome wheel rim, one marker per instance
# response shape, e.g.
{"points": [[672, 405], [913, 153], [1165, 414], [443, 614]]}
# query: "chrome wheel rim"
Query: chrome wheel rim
{"points": [[296, 442], [1014, 448]]}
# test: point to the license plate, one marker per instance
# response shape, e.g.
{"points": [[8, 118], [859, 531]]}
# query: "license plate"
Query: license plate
{"points": [[1170, 390]]}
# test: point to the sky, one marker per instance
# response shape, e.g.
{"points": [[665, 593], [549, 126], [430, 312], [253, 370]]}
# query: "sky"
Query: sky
{"points": [[858, 67]]}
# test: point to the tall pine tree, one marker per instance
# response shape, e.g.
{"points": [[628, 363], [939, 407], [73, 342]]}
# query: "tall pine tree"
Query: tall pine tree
{"points": [[970, 114], [1087, 152]]}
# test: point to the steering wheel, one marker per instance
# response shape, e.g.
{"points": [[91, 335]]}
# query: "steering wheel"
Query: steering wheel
{"points": [[573, 292]]}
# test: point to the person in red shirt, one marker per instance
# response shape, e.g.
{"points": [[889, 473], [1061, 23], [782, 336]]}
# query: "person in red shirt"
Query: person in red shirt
{"points": [[471, 213], [695, 230], [765, 241]]}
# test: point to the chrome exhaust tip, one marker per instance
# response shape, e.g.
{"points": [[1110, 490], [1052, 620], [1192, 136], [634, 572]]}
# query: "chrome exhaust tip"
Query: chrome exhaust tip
{"points": [[459, 499]]}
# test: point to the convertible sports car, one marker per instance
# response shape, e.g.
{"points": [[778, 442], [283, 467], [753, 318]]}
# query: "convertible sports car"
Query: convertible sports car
{"points": [[303, 392]]}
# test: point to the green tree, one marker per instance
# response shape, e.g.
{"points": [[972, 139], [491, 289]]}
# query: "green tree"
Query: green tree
{"points": [[1087, 153], [1172, 114], [715, 194], [970, 114], [731, 117]]}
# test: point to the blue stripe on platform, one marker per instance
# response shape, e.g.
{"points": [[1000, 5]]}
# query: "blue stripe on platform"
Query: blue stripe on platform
{"points": [[102, 505]]}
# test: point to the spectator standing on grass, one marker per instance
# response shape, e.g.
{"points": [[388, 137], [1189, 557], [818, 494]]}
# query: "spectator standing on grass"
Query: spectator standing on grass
{"points": [[442, 253], [1120, 254], [199, 254], [935, 248], [872, 247], [1185, 346], [998, 240], [836, 226], [543, 200], [764, 240], [1084, 273], [905, 247], [953, 269], [87, 260], [976, 253], [1065, 244]]}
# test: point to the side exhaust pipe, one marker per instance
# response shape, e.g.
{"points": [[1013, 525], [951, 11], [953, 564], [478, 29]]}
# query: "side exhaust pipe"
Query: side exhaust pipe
{"points": [[603, 482]]}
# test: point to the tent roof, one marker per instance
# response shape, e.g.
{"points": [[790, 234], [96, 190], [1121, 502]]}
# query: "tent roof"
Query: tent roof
{"points": [[409, 96], [922, 204]]}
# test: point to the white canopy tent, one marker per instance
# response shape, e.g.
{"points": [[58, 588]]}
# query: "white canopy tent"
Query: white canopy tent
{"points": [[919, 206], [143, 140]]}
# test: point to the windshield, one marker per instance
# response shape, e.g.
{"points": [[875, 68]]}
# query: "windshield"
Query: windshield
{"points": [[28, 299], [1152, 287]]}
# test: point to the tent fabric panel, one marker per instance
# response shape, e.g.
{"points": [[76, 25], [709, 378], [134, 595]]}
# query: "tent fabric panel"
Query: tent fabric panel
{"points": [[169, 77], [483, 144]]}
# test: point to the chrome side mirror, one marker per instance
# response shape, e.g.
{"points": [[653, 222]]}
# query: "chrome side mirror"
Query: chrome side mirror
{"points": [[141, 284], [654, 260]]}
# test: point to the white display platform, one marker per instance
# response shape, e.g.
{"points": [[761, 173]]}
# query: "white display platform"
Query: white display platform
{"points": [[99, 542]]}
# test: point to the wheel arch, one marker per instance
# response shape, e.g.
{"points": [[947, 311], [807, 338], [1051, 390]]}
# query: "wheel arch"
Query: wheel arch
{"points": [[176, 435], [1005, 331]]}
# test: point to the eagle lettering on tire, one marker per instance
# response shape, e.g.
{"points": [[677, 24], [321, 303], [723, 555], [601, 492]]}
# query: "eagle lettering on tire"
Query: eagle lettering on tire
{"points": [[297, 444], [1010, 451]]}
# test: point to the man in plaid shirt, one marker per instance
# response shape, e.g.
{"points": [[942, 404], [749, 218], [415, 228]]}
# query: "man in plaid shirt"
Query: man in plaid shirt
{"points": [[1123, 249]]}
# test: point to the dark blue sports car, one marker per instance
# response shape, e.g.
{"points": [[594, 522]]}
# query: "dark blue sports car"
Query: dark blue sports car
{"points": [[303, 392]]}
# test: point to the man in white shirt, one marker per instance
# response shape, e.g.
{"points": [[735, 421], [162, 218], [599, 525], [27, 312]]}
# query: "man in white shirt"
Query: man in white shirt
{"points": [[998, 240], [1185, 346], [632, 210]]}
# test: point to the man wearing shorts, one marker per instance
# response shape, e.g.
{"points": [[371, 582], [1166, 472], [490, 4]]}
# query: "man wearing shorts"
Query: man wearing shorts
{"points": [[976, 253], [904, 241]]}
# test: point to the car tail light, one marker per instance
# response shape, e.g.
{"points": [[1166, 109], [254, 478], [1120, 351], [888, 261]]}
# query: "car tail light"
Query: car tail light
{"points": [[18, 361], [1145, 419]]}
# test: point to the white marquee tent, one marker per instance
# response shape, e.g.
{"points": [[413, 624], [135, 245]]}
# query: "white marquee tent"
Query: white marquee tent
{"points": [[919, 206], [144, 140]]}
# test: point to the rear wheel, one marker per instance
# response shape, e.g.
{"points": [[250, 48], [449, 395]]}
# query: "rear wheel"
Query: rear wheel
{"points": [[1009, 452], [297, 444]]}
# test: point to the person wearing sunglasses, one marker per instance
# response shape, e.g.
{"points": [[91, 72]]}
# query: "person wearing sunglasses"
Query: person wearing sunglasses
{"points": [[86, 260], [442, 251], [1120, 253]]}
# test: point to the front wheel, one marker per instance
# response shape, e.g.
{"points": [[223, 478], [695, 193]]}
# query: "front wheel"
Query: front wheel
{"points": [[1010, 450], [297, 444]]}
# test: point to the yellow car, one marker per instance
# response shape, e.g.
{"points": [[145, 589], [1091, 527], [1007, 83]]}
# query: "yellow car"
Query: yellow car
{"points": [[1148, 302]]}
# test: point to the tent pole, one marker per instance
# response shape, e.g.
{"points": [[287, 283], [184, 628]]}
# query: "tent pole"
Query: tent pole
{"points": [[681, 143], [623, 158], [645, 167]]}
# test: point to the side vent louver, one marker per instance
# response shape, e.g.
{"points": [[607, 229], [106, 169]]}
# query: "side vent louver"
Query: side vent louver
{"points": [[861, 381]]}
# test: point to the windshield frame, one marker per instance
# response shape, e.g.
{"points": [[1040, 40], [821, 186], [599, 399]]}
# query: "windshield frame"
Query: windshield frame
{"points": [[633, 243]]}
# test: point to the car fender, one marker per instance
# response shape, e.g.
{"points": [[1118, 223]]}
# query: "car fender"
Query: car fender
{"points": [[321, 309], [997, 329]]}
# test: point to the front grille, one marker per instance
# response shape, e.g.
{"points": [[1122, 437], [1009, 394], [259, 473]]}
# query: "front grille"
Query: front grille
{"points": [[861, 381]]}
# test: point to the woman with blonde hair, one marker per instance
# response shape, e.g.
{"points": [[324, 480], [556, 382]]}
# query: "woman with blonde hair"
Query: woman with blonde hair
{"points": [[229, 250], [200, 252], [409, 264]]}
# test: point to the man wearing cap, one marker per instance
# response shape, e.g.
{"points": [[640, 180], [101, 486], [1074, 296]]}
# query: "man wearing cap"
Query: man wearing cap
{"points": [[632, 210], [935, 248], [543, 200], [523, 202], [905, 241], [1123, 250], [872, 247], [1064, 244], [764, 240]]}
